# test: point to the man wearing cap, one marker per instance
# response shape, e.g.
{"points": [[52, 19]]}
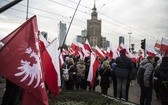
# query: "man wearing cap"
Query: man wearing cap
{"points": [[123, 66]]}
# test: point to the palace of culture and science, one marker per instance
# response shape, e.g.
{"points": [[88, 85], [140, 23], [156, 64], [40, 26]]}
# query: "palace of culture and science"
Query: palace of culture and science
{"points": [[93, 32]]}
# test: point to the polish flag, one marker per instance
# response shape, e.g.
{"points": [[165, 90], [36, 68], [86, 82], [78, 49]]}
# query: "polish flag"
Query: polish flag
{"points": [[87, 46], [103, 51], [99, 53], [64, 52], [157, 46], [94, 64], [51, 66], [164, 45], [150, 53], [82, 52], [133, 58], [109, 53], [121, 47], [74, 48], [71, 51]]}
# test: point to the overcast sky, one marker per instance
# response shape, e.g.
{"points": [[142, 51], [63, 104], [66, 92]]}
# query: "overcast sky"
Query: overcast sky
{"points": [[143, 18]]}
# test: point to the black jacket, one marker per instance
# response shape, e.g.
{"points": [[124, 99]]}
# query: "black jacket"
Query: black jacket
{"points": [[161, 75], [124, 62]]}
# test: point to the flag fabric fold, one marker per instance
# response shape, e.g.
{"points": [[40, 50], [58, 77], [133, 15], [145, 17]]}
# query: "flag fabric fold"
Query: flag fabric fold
{"points": [[121, 47], [94, 64], [157, 46], [51, 66], [150, 53], [99, 53], [87, 47], [109, 53], [164, 45]]}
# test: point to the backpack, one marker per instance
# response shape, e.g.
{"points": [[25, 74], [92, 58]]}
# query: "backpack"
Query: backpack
{"points": [[65, 74], [140, 76]]}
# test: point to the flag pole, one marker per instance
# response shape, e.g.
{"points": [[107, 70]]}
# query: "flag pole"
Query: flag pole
{"points": [[27, 12], [70, 24]]}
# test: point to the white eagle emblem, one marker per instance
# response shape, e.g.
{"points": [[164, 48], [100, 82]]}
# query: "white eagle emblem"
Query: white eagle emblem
{"points": [[32, 70]]}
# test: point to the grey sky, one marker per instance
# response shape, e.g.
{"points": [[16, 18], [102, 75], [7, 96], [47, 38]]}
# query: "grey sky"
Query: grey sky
{"points": [[144, 18]]}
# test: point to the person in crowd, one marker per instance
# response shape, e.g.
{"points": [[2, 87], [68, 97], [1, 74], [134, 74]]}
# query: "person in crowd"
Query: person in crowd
{"points": [[69, 74], [80, 81], [161, 77], [123, 66], [87, 64], [105, 73], [131, 76], [64, 66], [114, 79], [155, 82], [96, 82], [146, 85], [11, 93], [139, 59]]}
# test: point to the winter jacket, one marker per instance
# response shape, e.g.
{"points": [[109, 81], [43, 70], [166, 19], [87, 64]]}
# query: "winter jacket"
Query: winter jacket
{"points": [[148, 74], [123, 62], [105, 74], [161, 75]]}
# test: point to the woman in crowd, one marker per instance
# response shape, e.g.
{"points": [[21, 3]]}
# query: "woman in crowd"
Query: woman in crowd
{"points": [[105, 73]]}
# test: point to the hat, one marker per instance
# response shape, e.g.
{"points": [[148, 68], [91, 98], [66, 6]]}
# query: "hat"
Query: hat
{"points": [[122, 52]]}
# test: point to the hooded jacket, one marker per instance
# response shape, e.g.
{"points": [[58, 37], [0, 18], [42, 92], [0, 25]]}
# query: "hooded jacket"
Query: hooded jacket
{"points": [[148, 72]]}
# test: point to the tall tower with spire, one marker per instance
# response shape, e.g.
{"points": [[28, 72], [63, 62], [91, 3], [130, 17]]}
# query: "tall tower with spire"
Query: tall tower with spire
{"points": [[94, 28]]}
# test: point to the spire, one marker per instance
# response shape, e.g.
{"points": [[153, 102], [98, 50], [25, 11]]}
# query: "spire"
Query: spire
{"points": [[94, 8], [94, 13]]}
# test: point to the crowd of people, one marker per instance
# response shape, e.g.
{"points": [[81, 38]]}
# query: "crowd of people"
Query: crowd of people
{"points": [[119, 71]]}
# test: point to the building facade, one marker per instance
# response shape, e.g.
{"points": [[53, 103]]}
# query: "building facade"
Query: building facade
{"points": [[62, 32], [84, 33], [121, 40], [94, 29]]}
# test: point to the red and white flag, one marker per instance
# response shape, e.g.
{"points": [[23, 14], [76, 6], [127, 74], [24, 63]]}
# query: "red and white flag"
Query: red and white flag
{"points": [[94, 64], [21, 62], [64, 52], [133, 58], [109, 53], [51, 66], [121, 47], [157, 46], [164, 45], [74, 48], [82, 52], [150, 53], [99, 53], [87, 47]]}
